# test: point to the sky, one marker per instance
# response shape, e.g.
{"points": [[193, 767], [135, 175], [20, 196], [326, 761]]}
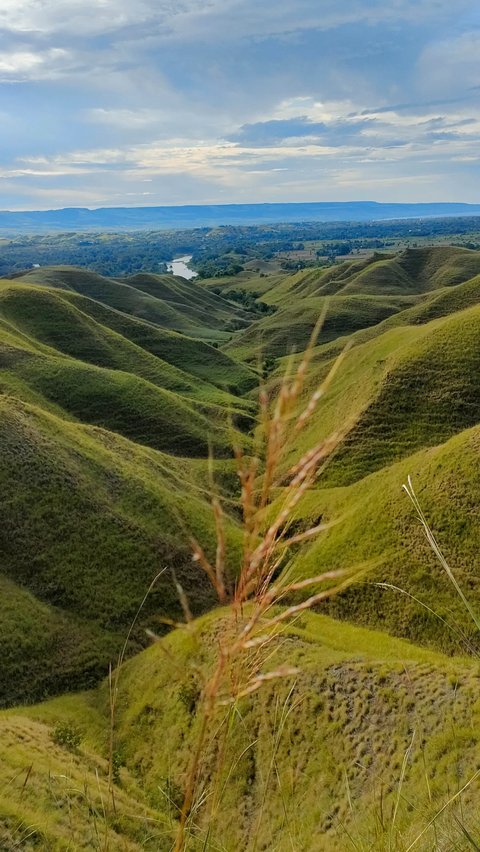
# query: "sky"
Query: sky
{"points": [[159, 102]]}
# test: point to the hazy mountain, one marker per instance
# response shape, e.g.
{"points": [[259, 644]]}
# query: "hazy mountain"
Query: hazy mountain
{"points": [[197, 216]]}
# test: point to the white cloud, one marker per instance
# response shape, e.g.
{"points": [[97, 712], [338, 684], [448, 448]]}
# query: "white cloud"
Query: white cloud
{"points": [[221, 98], [25, 64], [186, 19], [451, 66]]}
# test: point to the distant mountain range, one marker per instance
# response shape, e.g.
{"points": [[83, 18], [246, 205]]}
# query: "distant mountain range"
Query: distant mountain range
{"points": [[208, 215]]}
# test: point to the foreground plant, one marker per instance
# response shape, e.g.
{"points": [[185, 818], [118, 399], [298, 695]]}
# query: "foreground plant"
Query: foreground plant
{"points": [[265, 596]]}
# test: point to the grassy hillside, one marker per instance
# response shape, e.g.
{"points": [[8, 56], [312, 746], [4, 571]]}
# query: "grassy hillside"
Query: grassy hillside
{"points": [[62, 318], [375, 520], [88, 520], [122, 403], [418, 270], [179, 306], [107, 417], [360, 750], [439, 303], [289, 329], [64, 323], [379, 291], [88, 517]]}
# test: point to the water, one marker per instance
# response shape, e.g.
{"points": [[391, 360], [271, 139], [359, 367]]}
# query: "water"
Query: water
{"points": [[179, 266]]}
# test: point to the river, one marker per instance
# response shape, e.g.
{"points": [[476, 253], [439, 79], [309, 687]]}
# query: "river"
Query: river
{"points": [[179, 266]]}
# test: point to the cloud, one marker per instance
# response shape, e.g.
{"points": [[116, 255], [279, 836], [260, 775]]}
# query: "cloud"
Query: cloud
{"points": [[173, 19], [238, 100], [20, 65], [452, 66], [333, 133]]}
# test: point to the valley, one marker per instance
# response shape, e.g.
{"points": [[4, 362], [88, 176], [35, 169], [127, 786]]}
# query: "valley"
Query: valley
{"points": [[126, 402]]}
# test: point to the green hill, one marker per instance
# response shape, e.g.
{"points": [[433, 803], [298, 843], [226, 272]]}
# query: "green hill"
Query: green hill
{"points": [[167, 301], [113, 394], [65, 324], [408, 388], [375, 520], [88, 519], [379, 291], [290, 328], [418, 270], [361, 750]]}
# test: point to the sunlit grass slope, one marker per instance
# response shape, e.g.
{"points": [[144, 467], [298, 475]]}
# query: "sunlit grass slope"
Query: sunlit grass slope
{"points": [[61, 321], [79, 326], [374, 520], [360, 749], [439, 303], [311, 769], [408, 388], [364, 296], [414, 271], [289, 329], [57, 800]]}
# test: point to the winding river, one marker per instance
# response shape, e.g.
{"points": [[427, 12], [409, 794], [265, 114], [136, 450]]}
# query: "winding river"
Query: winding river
{"points": [[179, 266]]}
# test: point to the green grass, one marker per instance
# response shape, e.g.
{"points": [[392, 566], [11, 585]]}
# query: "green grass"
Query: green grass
{"points": [[412, 271], [355, 703], [128, 405], [106, 416], [88, 519], [192, 356], [439, 303], [374, 520], [63, 323], [378, 291], [408, 388], [203, 315], [53, 799], [313, 762], [290, 328]]}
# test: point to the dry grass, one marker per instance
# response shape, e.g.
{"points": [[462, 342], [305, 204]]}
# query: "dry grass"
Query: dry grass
{"points": [[244, 658]]}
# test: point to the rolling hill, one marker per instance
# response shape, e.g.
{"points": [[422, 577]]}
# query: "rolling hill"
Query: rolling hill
{"points": [[361, 751], [169, 302], [89, 513], [114, 396], [359, 293]]}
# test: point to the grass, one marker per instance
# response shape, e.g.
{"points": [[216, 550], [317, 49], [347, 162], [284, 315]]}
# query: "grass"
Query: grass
{"points": [[88, 519], [203, 316], [290, 328], [376, 292], [61, 322], [350, 715], [294, 749], [286, 729], [237, 762], [370, 519], [409, 388]]}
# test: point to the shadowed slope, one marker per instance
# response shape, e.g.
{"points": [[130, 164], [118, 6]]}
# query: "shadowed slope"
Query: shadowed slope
{"points": [[88, 519], [203, 317]]}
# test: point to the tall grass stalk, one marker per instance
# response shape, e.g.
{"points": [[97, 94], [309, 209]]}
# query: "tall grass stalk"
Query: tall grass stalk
{"points": [[271, 490]]}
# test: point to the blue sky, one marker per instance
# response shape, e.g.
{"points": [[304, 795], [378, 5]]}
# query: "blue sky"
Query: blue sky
{"points": [[139, 102]]}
